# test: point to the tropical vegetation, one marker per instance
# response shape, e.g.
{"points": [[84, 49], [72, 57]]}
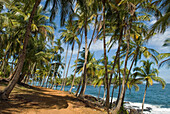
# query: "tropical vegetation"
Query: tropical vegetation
{"points": [[32, 53]]}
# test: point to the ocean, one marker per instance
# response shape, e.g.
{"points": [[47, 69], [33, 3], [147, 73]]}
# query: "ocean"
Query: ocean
{"points": [[157, 99]]}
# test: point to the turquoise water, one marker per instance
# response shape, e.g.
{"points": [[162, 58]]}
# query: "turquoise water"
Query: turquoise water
{"points": [[155, 95]]}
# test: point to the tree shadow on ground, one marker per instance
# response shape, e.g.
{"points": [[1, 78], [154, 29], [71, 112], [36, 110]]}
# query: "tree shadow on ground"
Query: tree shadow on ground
{"points": [[29, 97], [33, 100]]}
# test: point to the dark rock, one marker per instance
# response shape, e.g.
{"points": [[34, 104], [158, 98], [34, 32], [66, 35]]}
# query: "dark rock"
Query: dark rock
{"points": [[91, 98], [135, 106], [134, 111], [148, 109]]}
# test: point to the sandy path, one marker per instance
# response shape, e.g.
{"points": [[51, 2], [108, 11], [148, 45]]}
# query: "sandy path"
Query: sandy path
{"points": [[39, 100]]}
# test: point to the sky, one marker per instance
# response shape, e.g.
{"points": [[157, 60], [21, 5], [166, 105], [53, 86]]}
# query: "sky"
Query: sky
{"points": [[155, 42]]}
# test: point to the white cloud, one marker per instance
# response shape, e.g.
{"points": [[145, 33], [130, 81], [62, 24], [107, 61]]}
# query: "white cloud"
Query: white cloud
{"points": [[158, 40], [151, 22], [98, 45], [74, 51]]}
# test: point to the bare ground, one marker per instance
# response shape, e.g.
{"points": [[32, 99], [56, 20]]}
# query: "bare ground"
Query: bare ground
{"points": [[38, 100]]}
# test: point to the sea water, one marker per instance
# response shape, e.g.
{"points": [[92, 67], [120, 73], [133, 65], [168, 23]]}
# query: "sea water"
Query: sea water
{"points": [[157, 99]]}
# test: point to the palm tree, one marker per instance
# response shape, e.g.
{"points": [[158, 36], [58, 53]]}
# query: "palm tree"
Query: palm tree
{"points": [[66, 8], [165, 55], [163, 20], [91, 64], [45, 29], [57, 50], [11, 85], [105, 59], [99, 80], [29, 26], [71, 33], [79, 46], [86, 10], [64, 66], [148, 74], [137, 49]]}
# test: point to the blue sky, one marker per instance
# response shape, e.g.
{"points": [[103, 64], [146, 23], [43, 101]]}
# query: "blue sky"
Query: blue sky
{"points": [[155, 42]]}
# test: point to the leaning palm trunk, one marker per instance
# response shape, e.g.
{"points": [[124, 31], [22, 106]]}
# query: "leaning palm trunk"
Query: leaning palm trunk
{"points": [[124, 76], [27, 78], [128, 76], [65, 80], [12, 70], [112, 97], [4, 59], [12, 83], [53, 77], [86, 52], [33, 74], [113, 91], [85, 62], [12, 74], [46, 83], [144, 96], [76, 66], [64, 67], [43, 81], [119, 81], [79, 86], [118, 94], [99, 92], [104, 93], [105, 60], [83, 88]]}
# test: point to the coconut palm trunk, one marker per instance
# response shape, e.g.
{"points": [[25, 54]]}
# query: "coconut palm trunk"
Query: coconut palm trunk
{"points": [[53, 77], [76, 66], [12, 74], [46, 83], [144, 96], [99, 92], [43, 81], [79, 86], [4, 58], [105, 60], [65, 80], [86, 53], [127, 79], [64, 67], [119, 80], [12, 83], [55, 83], [85, 62], [113, 91], [12, 70], [124, 76], [104, 93]]}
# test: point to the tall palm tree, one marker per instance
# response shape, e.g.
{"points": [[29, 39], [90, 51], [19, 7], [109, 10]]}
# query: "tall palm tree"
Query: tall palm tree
{"points": [[79, 46], [85, 10], [91, 62], [148, 74], [71, 34], [11, 85], [137, 49]]}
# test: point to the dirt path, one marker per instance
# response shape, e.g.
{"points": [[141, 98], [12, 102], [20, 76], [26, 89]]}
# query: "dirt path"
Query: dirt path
{"points": [[37, 100]]}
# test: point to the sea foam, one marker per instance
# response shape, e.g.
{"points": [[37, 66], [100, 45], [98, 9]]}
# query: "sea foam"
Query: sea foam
{"points": [[148, 108]]}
